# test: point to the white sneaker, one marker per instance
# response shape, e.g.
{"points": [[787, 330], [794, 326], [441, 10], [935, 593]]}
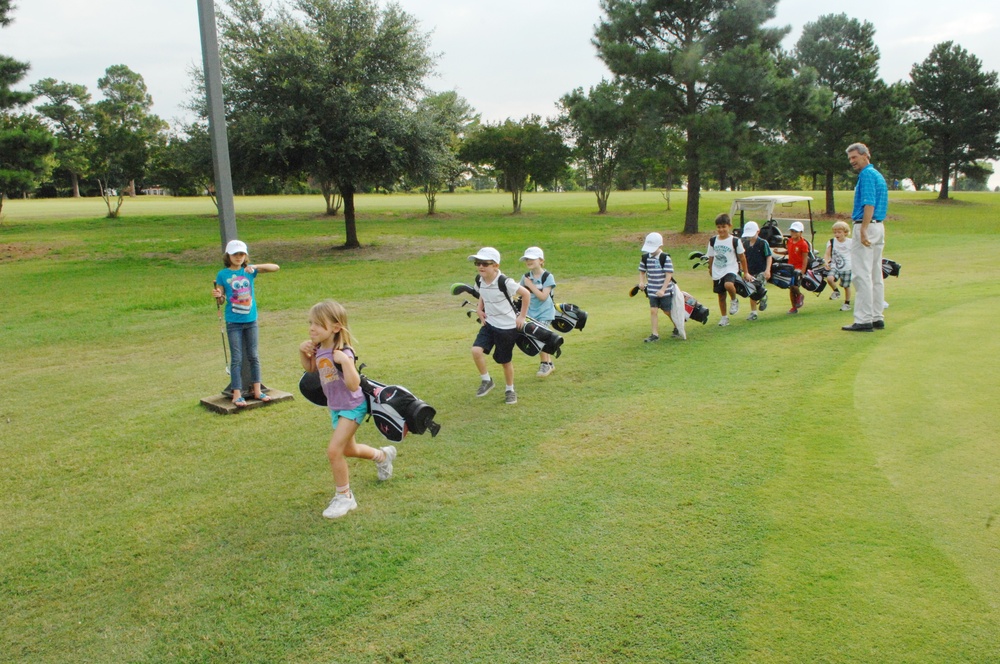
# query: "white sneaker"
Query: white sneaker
{"points": [[544, 369], [734, 307], [752, 316], [385, 468], [340, 505], [835, 295], [845, 307], [724, 321]]}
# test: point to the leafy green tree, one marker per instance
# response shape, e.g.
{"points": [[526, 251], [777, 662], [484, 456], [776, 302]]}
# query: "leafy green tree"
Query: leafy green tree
{"points": [[956, 106], [843, 54], [602, 128], [690, 54], [518, 153], [25, 144], [328, 90], [126, 134], [445, 119], [68, 111]]}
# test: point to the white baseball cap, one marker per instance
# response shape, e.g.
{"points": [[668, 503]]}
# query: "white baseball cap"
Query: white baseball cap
{"points": [[236, 247], [486, 254], [797, 226], [653, 242], [750, 229], [532, 253]]}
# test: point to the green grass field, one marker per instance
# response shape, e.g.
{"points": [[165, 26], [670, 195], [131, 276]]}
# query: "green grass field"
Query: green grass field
{"points": [[777, 491]]}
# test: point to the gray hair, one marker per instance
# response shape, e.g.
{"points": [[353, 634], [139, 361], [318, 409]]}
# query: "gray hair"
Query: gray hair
{"points": [[860, 148]]}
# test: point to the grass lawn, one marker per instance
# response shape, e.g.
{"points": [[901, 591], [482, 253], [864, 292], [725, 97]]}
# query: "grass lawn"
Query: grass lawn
{"points": [[777, 491]]}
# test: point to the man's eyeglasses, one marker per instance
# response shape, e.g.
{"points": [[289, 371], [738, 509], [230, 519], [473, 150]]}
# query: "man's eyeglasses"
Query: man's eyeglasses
{"points": [[483, 263]]}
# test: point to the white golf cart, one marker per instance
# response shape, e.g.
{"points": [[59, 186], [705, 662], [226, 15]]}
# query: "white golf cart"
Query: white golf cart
{"points": [[761, 209]]}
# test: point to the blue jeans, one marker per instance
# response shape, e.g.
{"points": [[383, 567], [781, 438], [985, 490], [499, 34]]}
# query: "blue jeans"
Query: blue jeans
{"points": [[242, 339]]}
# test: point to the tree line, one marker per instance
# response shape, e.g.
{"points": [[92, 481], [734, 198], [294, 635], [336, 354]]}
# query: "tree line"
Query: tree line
{"points": [[331, 96]]}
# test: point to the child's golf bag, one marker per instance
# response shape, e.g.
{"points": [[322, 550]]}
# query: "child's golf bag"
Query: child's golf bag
{"points": [[757, 288], [770, 233], [784, 275], [396, 411], [694, 309], [890, 268], [814, 281], [742, 287], [569, 317], [535, 339]]}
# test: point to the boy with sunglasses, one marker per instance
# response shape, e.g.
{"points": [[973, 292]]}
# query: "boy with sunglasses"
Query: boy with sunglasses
{"points": [[500, 320]]}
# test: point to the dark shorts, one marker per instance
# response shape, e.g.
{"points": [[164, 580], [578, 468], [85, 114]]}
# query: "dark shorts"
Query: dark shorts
{"points": [[503, 340], [664, 302], [719, 285]]}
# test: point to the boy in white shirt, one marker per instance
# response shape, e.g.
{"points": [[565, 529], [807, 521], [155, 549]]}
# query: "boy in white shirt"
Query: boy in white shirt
{"points": [[501, 321], [726, 259], [837, 259]]}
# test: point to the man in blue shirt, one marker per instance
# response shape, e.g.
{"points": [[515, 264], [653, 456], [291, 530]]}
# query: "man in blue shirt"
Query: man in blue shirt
{"points": [[871, 201]]}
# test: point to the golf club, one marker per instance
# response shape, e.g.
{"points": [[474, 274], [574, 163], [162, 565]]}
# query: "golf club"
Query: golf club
{"points": [[222, 327], [457, 289], [633, 291]]}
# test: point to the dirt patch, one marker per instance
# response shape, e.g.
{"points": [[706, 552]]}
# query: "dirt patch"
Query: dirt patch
{"points": [[14, 252], [671, 239]]}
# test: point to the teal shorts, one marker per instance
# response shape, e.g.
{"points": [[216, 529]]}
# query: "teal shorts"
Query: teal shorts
{"points": [[357, 414]]}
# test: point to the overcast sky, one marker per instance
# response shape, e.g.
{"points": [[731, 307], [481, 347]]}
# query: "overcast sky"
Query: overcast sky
{"points": [[507, 59]]}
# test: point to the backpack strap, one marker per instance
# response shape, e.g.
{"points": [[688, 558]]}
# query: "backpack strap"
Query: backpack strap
{"points": [[662, 257], [502, 285]]}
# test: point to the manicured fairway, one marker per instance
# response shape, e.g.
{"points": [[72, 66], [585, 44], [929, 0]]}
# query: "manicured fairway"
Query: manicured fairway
{"points": [[777, 491]]}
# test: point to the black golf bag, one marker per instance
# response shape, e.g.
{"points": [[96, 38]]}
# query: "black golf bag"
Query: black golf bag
{"points": [[569, 317], [784, 275], [814, 281], [770, 233], [694, 309], [890, 268], [535, 339], [396, 411], [742, 287], [757, 288]]}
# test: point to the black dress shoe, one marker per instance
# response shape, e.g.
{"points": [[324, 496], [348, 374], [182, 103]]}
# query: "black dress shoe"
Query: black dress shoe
{"points": [[878, 325], [858, 327]]}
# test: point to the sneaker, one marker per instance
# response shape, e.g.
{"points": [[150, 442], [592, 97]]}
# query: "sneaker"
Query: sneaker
{"points": [[385, 468], [845, 307], [763, 302], [509, 397], [651, 338], [800, 301], [545, 369], [485, 387], [676, 334], [341, 504], [724, 321], [835, 295], [793, 310], [752, 316], [734, 307]]}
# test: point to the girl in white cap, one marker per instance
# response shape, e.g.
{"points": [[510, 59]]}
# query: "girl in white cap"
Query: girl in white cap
{"points": [[541, 309], [234, 285]]}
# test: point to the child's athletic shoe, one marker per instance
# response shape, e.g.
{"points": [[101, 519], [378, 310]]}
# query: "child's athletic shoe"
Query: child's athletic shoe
{"points": [[509, 397], [734, 307], [845, 307], [485, 387], [341, 504], [763, 302], [676, 334], [385, 468], [545, 369], [800, 301], [651, 338], [752, 316], [835, 295], [724, 321], [793, 310]]}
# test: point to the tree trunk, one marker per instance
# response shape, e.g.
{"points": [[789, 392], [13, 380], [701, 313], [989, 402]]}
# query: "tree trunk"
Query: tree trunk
{"points": [[694, 186], [131, 188], [516, 195], [831, 207], [75, 179], [431, 195], [945, 177], [602, 199], [350, 226]]}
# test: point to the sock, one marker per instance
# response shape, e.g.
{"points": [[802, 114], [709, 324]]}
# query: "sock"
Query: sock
{"points": [[510, 388], [485, 376], [346, 490], [379, 456]]}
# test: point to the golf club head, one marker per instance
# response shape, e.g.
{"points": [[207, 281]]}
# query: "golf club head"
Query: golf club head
{"points": [[458, 289], [696, 255], [633, 291]]}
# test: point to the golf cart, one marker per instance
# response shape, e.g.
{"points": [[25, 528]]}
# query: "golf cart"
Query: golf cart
{"points": [[773, 229]]}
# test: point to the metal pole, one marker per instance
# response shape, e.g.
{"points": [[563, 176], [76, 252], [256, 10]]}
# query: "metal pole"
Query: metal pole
{"points": [[217, 121]]}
